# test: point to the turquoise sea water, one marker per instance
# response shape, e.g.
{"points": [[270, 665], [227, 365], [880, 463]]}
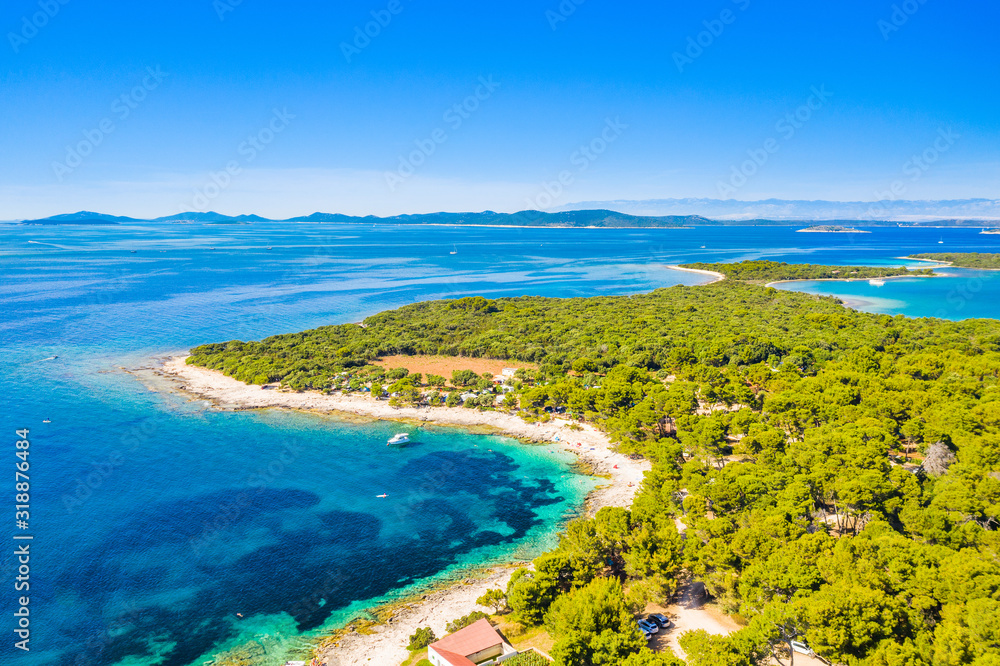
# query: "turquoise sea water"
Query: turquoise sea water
{"points": [[156, 520], [965, 294]]}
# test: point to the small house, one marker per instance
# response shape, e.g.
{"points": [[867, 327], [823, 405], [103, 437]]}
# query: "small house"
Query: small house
{"points": [[475, 644]]}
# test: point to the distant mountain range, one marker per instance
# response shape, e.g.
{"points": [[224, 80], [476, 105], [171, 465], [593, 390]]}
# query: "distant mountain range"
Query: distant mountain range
{"points": [[576, 218], [641, 214], [951, 211], [88, 217]]}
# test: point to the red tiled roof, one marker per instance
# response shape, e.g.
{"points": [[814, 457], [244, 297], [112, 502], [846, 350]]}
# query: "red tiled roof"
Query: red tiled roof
{"points": [[476, 637], [454, 659]]}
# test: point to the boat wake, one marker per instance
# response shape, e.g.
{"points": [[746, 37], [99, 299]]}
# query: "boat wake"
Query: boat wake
{"points": [[42, 360]]}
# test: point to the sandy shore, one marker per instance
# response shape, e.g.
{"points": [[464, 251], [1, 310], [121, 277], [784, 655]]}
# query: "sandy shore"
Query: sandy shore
{"points": [[853, 303], [718, 276], [942, 264], [838, 279], [948, 264], [594, 447], [811, 230], [386, 645]]}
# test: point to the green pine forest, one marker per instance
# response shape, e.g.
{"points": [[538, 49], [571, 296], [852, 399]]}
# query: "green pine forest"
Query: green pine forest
{"points": [[836, 473], [964, 259], [772, 271]]}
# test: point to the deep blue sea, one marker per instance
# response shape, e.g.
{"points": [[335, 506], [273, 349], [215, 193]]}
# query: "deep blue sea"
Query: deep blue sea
{"points": [[156, 520]]}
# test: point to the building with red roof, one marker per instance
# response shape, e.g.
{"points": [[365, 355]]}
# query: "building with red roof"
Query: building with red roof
{"points": [[472, 645]]}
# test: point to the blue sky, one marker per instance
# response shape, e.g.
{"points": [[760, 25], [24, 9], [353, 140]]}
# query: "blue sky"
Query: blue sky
{"points": [[253, 106]]}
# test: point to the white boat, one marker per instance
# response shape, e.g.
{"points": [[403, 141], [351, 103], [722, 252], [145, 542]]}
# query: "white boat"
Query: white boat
{"points": [[876, 282], [399, 438]]}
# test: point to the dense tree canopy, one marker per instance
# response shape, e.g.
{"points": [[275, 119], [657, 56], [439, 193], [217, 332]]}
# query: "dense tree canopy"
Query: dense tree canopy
{"points": [[787, 433], [771, 271], [964, 259]]}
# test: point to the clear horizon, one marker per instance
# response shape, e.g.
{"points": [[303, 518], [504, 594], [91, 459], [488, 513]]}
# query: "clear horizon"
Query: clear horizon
{"points": [[387, 108]]}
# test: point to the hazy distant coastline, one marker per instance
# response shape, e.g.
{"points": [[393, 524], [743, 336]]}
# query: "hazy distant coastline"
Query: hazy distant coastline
{"points": [[831, 229], [940, 212], [600, 218]]}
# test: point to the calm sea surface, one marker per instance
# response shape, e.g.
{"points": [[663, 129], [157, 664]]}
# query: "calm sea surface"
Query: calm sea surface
{"points": [[156, 521]]}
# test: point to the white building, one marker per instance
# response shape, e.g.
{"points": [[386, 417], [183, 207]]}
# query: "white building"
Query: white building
{"points": [[472, 645]]}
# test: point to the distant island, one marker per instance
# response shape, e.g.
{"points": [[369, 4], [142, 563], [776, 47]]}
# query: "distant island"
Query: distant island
{"points": [[962, 259], [80, 221], [832, 229], [601, 218], [761, 272]]}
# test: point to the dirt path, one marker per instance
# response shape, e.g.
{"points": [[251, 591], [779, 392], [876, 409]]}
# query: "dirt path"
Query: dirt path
{"points": [[690, 613]]}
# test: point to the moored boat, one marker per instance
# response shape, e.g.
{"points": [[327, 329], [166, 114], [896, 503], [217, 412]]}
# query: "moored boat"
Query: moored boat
{"points": [[399, 439]]}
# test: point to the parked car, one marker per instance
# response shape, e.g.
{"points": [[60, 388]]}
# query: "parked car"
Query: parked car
{"points": [[801, 647], [645, 634], [661, 621], [645, 625]]}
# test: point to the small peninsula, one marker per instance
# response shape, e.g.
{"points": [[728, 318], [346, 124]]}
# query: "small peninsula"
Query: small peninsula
{"points": [[982, 260], [831, 229], [764, 272], [803, 457]]}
